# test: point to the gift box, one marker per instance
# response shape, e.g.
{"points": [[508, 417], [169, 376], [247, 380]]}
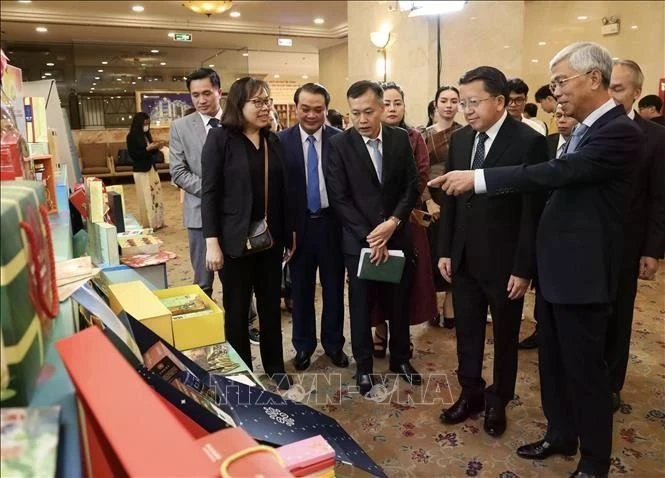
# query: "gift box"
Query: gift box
{"points": [[28, 291], [95, 195], [197, 328], [103, 244], [309, 456], [143, 244]]}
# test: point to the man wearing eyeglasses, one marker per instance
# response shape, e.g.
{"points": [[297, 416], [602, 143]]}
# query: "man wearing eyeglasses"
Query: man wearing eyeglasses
{"points": [[578, 250], [486, 247], [517, 95]]}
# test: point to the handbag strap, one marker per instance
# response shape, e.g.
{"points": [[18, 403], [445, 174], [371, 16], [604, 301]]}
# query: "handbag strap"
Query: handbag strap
{"points": [[265, 178]]}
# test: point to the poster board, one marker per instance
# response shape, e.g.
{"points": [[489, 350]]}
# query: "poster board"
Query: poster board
{"points": [[163, 107]]}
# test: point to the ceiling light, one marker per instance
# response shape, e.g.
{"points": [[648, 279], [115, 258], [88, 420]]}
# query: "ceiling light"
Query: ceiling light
{"points": [[275, 76], [162, 63], [92, 89], [184, 77], [24, 1], [542, 43], [582, 17], [211, 65], [154, 51], [100, 71], [245, 54], [534, 60], [138, 8], [50, 64], [234, 14], [41, 29], [380, 39], [304, 77], [208, 7], [284, 42], [48, 73], [633, 27], [133, 82], [473, 18], [105, 62], [139, 77], [170, 34], [506, 46], [43, 77], [119, 79], [615, 58], [319, 21], [94, 84]]}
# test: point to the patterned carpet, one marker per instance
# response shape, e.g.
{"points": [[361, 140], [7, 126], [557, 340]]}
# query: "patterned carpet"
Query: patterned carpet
{"points": [[402, 432]]}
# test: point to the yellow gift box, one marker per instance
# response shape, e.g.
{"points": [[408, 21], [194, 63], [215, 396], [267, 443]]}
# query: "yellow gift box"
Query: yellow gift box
{"points": [[141, 303], [198, 330]]}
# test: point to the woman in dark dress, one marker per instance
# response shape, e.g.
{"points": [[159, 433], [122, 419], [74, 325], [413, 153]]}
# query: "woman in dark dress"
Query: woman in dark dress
{"points": [[437, 138], [233, 196], [422, 297]]}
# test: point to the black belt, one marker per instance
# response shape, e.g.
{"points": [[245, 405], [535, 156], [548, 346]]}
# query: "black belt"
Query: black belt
{"points": [[319, 214]]}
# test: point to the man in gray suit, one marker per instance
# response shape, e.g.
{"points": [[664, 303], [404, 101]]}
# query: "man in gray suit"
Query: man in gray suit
{"points": [[186, 142]]}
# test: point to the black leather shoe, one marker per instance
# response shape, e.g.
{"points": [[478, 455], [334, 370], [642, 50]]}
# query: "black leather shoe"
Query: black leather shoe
{"points": [[543, 449], [365, 382], [531, 342], [339, 359], [581, 474], [301, 360], [282, 380], [407, 373], [616, 402], [462, 409], [495, 421]]}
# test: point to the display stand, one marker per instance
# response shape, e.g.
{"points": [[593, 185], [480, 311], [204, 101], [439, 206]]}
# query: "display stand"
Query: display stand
{"points": [[43, 170]]}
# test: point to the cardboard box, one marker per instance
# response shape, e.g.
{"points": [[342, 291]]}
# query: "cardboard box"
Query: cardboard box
{"points": [[197, 330], [137, 300]]}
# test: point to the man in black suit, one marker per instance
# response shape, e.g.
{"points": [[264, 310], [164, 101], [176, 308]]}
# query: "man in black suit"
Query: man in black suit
{"points": [[644, 241], [486, 247], [578, 250], [318, 231], [372, 186], [556, 144], [650, 108]]}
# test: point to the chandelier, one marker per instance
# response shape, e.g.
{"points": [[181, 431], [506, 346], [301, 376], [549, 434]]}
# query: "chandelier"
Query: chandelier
{"points": [[208, 7]]}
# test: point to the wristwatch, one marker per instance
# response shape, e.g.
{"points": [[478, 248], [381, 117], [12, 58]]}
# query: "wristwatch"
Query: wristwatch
{"points": [[396, 220]]}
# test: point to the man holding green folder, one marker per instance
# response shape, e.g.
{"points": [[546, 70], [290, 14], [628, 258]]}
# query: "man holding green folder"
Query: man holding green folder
{"points": [[372, 182]]}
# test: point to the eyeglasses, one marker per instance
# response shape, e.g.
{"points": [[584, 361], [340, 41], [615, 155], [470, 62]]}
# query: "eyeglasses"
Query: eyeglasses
{"points": [[517, 101], [261, 102], [472, 104], [559, 82]]}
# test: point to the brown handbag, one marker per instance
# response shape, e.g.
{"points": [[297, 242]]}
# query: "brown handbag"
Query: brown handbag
{"points": [[259, 238]]}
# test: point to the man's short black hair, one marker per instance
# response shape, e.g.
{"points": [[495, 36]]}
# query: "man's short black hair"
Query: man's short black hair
{"points": [[494, 80], [361, 87], [202, 73], [651, 100], [531, 109], [517, 85], [542, 93], [335, 119], [315, 89]]}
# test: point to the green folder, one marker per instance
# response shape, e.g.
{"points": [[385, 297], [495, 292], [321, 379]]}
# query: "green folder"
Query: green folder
{"points": [[389, 271]]}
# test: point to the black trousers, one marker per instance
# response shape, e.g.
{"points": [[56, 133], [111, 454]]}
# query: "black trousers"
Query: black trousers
{"points": [[263, 273], [574, 382], [319, 249], [396, 295], [620, 323], [472, 296]]}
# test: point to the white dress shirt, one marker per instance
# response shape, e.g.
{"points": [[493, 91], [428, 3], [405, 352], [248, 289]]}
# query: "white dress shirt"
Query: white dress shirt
{"points": [[631, 114], [318, 135], [479, 185], [536, 125], [367, 139], [206, 118], [479, 179]]}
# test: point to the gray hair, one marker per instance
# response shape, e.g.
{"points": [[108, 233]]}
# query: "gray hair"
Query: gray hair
{"points": [[584, 57], [635, 70]]}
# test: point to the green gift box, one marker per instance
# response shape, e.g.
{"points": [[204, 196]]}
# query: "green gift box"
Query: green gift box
{"points": [[27, 300]]}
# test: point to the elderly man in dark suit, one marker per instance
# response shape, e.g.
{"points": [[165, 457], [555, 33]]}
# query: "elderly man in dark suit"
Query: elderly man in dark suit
{"points": [[373, 186], [318, 232], [487, 247], [644, 241], [578, 250]]}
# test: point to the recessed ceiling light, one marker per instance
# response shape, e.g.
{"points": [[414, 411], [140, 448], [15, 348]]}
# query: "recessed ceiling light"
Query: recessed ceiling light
{"points": [[139, 77], [582, 17], [234, 14], [133, 82], [43, 77], [245, 54], [105, 62], [473, 18], [92, 89], [542, 43], [184, 77], [170, 35], [534, 60], [100, 71], [41, 29], [94, 84], [615, 58], [138, 8], [154, 51], [319, 21], [162, 63], [275, 76], [634, 27], [506, 46], [24, 1], [47, 73], [124, 91], [304, 77], [97, 78], [211, 65], [119, 79], [50, 64]]}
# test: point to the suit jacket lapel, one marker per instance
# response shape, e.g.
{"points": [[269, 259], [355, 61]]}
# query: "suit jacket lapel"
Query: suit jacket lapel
{"points": [[600, 122], [500, 143], [296, 145], [467, 138], [363, 155], [198, 128]]}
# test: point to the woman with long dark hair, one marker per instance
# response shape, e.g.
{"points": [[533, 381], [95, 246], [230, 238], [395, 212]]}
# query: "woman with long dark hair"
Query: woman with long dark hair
{"points": [[244, 184], [437, 138], [144, 153], [422, 297]]}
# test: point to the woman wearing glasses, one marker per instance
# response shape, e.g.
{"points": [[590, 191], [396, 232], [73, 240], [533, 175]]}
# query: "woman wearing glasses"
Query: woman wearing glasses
{"points": [[437, 138], [237, 160]]}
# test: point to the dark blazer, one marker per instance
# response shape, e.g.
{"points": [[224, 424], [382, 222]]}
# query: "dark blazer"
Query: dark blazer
{"points": [[226, 191], [552, 145], [498, 234], [645, 220], [295, 167], [354, 191], [580, 235], [142, 159]]}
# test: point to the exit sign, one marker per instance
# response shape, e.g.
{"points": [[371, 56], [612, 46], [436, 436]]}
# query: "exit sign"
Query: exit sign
{"points": [[182, 36]]}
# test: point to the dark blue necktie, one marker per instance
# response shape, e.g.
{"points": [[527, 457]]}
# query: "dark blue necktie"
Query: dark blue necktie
{"points": [[479, 156], [313, 193], [213, 122]]}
